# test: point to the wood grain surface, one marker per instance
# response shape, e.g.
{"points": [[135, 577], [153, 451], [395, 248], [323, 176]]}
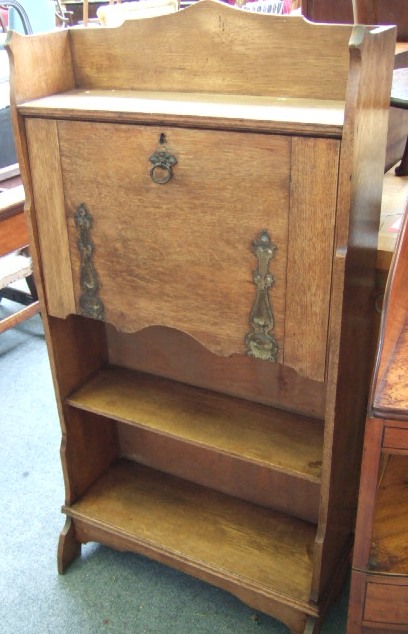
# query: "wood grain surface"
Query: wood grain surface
{"points": [[389, 550], [175, 254], [170, 353], [203, 110], [256, 547], [52, 228], [314, 173], [254, 433], [210, 45], [389, 390], [178, 258]]}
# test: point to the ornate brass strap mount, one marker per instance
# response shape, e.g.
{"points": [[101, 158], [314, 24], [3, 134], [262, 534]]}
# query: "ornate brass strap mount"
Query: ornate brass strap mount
{"points": [[90, 303], [260, 343]]}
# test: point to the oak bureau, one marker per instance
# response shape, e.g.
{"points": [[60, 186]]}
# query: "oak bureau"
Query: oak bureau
{"points": [[204, 223], [379, 580]]}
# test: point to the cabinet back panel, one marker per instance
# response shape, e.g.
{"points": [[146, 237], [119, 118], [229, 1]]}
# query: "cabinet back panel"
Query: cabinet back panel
{"points": [[212, 45], [254, 433], [172, 354], [278, 490]]}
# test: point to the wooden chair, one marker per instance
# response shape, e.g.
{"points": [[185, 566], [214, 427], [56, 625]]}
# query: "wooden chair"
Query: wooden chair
{"points": [[15, 263]]}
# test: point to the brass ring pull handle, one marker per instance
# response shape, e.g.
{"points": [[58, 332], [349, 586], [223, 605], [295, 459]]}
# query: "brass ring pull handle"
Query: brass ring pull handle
{"points": [[162, 170]]}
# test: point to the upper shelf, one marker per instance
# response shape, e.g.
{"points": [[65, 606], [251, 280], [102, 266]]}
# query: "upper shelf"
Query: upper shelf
{"points": [[208, 48], [264, 436], [278, 114]]}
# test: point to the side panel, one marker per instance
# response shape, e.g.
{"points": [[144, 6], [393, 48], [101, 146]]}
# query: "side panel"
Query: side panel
{"points": [[313, 197], [43, 147]]}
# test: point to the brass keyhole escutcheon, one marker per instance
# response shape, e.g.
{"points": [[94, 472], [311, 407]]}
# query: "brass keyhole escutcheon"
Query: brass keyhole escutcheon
{"points": [[161, 171]]}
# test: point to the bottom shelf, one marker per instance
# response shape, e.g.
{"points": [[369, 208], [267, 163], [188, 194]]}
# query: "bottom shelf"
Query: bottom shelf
{"points": [[197, 529]]}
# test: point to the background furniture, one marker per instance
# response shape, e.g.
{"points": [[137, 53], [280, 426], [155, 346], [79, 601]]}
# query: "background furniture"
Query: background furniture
{"points": [[360, 11], [379, 586], [393, 203], [399, 99], [14, 264], [390, 12], [75, 9], [373, 12], [35, 15], [208, 308], [113, 15]]}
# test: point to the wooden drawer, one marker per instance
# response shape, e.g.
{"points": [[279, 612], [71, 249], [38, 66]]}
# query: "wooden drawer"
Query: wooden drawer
{"points": [[396, 439], [158, 254], [387, 602]]}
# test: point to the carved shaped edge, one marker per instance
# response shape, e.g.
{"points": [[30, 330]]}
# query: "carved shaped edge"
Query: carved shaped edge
{"points": [[69, 548]]}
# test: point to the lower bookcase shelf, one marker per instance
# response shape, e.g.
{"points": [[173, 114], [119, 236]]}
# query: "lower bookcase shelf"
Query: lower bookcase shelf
{"points": [[235, 446], [216, 537], [217, 486]]}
